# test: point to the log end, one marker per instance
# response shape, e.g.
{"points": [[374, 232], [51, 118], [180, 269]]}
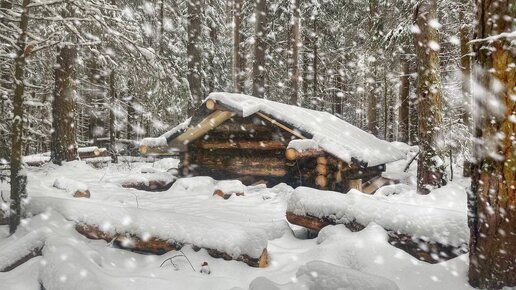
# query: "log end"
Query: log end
{"points": [[82, 194], [210, 104], [321, 181], [143, 149], [263, 261], [291, 154]]}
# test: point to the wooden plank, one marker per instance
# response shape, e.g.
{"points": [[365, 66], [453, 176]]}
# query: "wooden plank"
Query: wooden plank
{"points": [[160, 246]]}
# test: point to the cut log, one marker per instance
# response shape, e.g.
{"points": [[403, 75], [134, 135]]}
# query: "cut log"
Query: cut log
{"points": [[321, 181], [322, 160], [355, 183], [75, 188], [431, 252], [309, 222], [226, 195], [321, 169], [160, 246], [88, 152], [293, 154], [253, 145], [210, 104]]}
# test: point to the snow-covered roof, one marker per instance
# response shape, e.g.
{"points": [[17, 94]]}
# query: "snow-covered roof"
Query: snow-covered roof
{"points": [[332, 134]]}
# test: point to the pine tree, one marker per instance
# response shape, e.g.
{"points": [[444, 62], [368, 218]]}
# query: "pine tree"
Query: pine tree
{"points": [[426, 42], [260, 47], [492, 200]]}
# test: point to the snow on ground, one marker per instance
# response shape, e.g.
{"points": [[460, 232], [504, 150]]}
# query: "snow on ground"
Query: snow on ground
{"points": [[70, 259]]}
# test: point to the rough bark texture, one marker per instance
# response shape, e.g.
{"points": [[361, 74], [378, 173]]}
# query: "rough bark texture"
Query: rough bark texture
{"points": [[492, 202], [403, 129], [238, 47], [63, 107], [112, 118], [260, 47], [18, 180], [194, 52], [429, 174], [294, 81], [5, 85]]}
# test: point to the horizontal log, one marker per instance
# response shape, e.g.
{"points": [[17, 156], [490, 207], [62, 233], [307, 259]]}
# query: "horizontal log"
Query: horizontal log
{"points": [[254, 145], [309, 222], [160, 246], [32, 253], [153, 185], [321, 181], [431, 252], [293, 154], [321, 169], [224, 195]]}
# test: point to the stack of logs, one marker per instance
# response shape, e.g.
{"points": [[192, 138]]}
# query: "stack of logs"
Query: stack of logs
{"points": [[326, 171]]}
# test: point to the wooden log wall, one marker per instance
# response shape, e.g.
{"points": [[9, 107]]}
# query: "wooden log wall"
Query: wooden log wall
{"points": [[248, 149]]}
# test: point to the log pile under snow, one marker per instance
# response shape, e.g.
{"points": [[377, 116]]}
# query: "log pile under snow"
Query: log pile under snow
{"points": [[443, 232], [72, 187], [158, 232]]}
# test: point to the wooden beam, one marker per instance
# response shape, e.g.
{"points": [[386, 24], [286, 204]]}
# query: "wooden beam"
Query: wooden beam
{"points": [[211, 121], [280, 125]]}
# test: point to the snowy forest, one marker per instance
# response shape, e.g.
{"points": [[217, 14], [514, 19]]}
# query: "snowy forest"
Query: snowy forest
{"points": [[257, 144]]}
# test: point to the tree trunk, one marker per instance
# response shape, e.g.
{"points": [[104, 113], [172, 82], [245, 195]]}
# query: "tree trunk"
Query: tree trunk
{"points": [[64, 146], [430, 171], [5, 83], [294, 93], [18, 178], [372, 114], [260, 47], [238, 46], [194, 52], [492, 200], [403, 128], [306, 68], [315, 68], [112, 118]]}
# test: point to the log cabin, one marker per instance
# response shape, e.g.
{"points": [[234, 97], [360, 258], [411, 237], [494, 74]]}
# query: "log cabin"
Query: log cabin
{"points": [[235, 136]]}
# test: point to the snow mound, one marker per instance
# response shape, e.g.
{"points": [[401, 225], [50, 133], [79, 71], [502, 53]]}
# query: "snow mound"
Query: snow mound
{"points": [[448, 227], [69, 185], [319, 275], [146, 178], [230, 186]]}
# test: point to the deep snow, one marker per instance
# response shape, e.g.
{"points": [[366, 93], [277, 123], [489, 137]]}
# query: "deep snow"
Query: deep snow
{"points": [[69, 259]]}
